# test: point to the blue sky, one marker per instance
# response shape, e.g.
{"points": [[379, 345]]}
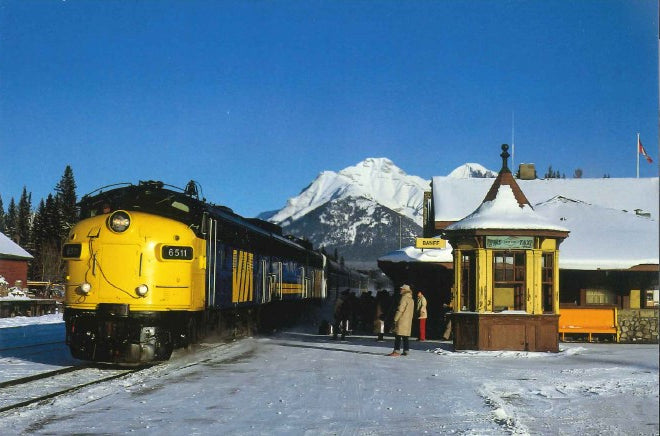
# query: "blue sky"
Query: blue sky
{"points": [[254, 98]]}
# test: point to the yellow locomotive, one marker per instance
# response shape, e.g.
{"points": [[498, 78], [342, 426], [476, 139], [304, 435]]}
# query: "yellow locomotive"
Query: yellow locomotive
{"points": [[150, 268]]}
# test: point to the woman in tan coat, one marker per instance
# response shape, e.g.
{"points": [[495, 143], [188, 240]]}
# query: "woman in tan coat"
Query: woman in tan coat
{"points": [[403, 321]]}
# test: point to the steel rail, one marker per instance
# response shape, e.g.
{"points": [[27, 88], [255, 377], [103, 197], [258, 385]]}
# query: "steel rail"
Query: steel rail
{"points": [[59, 391]]}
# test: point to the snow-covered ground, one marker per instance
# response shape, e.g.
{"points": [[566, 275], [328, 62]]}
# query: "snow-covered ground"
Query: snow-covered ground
{"points": [[301, 383]]}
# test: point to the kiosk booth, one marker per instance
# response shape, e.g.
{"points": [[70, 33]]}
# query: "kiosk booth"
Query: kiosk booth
{"points": [[506, 272]]}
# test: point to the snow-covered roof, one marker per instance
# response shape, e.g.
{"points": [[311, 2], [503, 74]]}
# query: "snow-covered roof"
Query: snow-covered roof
{"points": [[412, 254], [10, 249], [600, 238], [454, 198], [505, 212]]}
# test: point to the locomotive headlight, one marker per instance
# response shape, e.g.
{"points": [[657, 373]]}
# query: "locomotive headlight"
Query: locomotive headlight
{"points": [[84, 288], [142, 290], [119, 221]]}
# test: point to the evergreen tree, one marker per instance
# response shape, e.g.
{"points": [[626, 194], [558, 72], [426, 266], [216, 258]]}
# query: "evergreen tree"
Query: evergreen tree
{"points": [[23, 222], [51, 219], [552, 174], [3, 225], [66, 202], [38, 238], [577, 174], [548, 174], [47, 263], [11, 220]]}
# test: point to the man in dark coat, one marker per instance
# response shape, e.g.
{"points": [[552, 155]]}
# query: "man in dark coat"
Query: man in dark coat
{"points": [[344, 309]]}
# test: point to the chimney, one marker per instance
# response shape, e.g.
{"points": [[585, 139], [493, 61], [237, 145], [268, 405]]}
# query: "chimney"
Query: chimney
{"points": [[526, 171]]}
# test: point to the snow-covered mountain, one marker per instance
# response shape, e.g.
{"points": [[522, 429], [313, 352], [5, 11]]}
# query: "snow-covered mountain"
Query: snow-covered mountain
{"points": [[375, 179], [362, 211]]}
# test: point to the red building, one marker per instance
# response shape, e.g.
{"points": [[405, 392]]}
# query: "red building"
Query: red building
{"points": [[13, 261]]}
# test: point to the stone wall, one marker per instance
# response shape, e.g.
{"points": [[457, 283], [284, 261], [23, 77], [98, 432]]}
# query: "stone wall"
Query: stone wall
{"points": [[638, 325]]}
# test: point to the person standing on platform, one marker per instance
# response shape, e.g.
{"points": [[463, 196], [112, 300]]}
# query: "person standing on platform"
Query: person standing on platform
{"points": [[382, 308], [345, 313], [338, 315], [403, 321], [449, 309], [420, 310]]}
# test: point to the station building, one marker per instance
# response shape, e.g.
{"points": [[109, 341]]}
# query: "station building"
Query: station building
{"points": [[609, 261], [13, 261]]}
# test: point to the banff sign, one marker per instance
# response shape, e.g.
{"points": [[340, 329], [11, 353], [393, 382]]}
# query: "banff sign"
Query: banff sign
{"points": [[430, 243]]}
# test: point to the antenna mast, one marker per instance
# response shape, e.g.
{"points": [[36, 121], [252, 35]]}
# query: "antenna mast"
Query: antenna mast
{"points": [[513, 142]]}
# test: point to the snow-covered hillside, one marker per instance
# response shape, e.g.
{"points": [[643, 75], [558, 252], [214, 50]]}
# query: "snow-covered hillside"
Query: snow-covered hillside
{"points": [[376, 179]]}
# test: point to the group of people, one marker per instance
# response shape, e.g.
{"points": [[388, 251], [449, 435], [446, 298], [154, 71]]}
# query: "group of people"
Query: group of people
{"points": [[357, 314], [395, 318]]}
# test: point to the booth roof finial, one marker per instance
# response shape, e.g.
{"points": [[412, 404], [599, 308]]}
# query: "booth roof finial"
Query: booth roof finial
{"points": [[505, 156]]}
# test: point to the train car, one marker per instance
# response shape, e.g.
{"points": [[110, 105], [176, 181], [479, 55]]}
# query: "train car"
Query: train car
{"points": [[151, 267]]}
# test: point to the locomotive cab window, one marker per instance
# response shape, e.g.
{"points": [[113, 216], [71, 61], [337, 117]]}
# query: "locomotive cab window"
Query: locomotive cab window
{"points": [[71, 251], [180, 206]]}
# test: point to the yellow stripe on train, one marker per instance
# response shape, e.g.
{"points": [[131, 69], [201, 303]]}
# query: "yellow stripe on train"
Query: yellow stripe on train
{"points": [[242, 273], [291, 288]]}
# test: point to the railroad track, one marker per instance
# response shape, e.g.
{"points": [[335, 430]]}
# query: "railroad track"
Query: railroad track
{"points": [[44, 386], [47, 385]]}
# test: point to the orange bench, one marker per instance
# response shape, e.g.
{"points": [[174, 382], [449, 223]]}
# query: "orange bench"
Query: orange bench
{"points": [[588, 320]]}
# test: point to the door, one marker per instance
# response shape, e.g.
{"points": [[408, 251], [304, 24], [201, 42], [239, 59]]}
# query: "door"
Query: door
{"points": [[211, 260]]}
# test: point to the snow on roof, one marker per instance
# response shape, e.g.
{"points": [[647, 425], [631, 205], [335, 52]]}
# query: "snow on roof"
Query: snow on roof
{"points": [[600, 238], [10, 249], [505, 212], [412, 254], [454, 198]]}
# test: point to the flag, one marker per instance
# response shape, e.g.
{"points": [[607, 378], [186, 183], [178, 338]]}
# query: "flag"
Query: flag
{"points": [[642, 151]]}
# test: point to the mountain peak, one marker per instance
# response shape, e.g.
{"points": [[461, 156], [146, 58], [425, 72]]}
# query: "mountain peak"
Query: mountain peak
{"points": [[472, 170], [370, 166], [376, 179]]}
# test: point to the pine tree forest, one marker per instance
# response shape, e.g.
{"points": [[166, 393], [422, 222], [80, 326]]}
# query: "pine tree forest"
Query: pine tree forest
{"points": [[42, 230]]}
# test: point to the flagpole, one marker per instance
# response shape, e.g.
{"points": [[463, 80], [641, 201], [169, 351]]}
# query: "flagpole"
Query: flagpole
{"points": [[513, 142], [637, 148]]}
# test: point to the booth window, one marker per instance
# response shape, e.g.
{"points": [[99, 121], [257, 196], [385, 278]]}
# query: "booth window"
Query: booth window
{"points": [[547, 275], [509, 283]]}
